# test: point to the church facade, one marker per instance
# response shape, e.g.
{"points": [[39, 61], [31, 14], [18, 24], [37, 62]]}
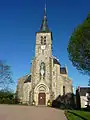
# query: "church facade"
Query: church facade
{"points": [[47, 79]]}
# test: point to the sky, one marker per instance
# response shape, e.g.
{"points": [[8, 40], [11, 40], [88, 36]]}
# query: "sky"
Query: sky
{"points": [[21, 19]]}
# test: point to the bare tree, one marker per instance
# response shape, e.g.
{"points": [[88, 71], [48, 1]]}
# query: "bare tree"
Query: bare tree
{"points": [[5, 76]]}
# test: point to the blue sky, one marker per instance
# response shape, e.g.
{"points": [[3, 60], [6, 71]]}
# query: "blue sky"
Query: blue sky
{"points": [[20, 19]]}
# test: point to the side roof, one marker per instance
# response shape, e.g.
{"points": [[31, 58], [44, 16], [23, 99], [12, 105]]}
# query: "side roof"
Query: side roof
{"points": [[84, 90], [28, 79], [55, 61]]}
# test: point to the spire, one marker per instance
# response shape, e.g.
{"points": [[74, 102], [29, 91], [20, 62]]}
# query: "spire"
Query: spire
{"points": [[44, 25], [45, 10]]}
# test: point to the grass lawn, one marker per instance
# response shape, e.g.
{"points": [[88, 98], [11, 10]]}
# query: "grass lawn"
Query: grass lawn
{"points": [[77, 115]]}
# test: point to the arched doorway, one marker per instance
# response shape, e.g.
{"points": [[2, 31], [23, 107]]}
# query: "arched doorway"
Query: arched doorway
{"points": [[42, 95], [41, 99]]}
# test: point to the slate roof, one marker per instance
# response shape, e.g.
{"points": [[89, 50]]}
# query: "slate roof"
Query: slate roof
{"points": [[63, 70], [44, 25], [55, 61], [28, 79], [84, 90]]}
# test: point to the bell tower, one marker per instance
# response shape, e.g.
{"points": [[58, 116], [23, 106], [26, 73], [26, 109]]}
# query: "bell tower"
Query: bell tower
{"points": [[44, 39]]}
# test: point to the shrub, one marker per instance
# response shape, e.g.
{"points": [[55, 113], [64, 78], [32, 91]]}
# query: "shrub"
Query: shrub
{"points": [[49, 103], [64, 102], [7, 97]]}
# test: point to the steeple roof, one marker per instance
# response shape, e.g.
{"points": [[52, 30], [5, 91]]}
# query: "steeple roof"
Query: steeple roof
{"points": [[44, 25]]}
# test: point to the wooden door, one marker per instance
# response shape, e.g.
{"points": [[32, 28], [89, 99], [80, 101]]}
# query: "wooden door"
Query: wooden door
{"points": [[41, 98]]}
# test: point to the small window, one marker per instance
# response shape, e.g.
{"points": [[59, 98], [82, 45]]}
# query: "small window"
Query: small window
{"points": [[44, 42], [63, 90], [41, 41], [41, 37]]}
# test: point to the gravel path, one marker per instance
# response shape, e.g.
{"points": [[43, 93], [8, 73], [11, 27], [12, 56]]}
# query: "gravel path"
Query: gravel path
{"points": [[16, 112]]}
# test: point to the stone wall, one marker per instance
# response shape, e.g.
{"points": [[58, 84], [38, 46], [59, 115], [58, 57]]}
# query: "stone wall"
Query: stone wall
{"points": [[20, 87], [26, 92]]}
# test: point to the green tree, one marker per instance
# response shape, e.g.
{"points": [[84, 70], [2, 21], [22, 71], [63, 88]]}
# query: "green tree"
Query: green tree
{"points": [[89, 82], [79, 47], [5, 76], [7, 97]]}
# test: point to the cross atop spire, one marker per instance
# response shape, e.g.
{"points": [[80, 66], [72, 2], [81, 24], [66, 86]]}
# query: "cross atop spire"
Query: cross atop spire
{"points": [[44, 25], [45, 10]]}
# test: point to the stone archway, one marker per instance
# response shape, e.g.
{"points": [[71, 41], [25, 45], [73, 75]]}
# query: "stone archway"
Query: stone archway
{"points": [[41, 95]]}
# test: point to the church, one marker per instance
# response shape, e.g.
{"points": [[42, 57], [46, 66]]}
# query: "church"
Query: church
{"points": [[47, 79]]}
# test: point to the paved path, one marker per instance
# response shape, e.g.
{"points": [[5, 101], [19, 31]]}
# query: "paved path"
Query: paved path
{"points": [[15, 112]]}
